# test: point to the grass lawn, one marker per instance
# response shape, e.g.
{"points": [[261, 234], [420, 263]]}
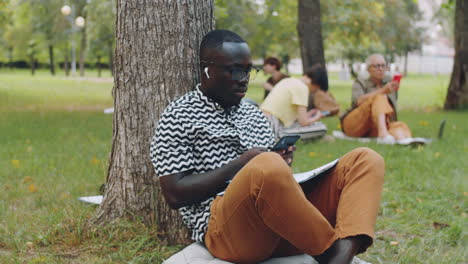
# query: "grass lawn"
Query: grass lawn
{"points": [[55, 141]]}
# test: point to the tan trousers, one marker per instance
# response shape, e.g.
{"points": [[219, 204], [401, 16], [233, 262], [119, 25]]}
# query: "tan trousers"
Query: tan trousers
{"points": [[362, 121], [265, 213]]}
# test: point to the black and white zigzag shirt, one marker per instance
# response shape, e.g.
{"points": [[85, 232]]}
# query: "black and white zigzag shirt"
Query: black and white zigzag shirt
{"points": [[194, 132]]}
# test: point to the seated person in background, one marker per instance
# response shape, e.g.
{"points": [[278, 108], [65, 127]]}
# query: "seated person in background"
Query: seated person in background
{"points": [[272, 66], [286, 105], [373, 112], [208, 137], [320, 98]]}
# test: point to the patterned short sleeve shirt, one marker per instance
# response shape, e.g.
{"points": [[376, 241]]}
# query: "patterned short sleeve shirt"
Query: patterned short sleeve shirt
{"points": [[195, 133]]}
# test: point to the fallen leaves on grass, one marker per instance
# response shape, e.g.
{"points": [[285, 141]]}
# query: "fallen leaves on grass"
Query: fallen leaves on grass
{"points": [[29, 149], [312, 154], [27, 179], [394, 243], [32, 188], [437, 154], [438, 225], [64, 195], [29, 245], [94, 161], [423, 123], [15, 163]]}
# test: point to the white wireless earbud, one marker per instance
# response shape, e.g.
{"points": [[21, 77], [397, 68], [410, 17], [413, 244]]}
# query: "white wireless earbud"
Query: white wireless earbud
{"points": [[206, 73]]}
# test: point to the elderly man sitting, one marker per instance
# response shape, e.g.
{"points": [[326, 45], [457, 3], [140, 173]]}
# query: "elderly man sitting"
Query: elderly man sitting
{"points": [[374, 100]]}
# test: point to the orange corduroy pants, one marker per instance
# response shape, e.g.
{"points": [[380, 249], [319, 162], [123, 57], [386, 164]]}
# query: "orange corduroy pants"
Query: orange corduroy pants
{"points": [[363, 120], [265, 212]]}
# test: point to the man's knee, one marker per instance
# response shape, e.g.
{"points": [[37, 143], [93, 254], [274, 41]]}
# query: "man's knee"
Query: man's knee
{"points": [[379, 98], [369, 158], [368, 154], [271, 166]]}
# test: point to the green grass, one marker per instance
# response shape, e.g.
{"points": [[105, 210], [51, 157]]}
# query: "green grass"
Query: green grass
{"points": [[55, 142]]}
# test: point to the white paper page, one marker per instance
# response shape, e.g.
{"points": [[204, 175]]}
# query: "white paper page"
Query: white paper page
{"points": [[304, 176]]}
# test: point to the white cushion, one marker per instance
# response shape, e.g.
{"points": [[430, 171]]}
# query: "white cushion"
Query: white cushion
{"points": [[196, 253]]}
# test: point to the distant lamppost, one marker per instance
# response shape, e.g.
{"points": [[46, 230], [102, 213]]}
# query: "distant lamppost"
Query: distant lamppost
{"points": [[76, 24]]}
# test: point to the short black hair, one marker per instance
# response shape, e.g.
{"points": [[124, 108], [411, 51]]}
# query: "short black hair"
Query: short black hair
{"points": [[273, 61], [215, 39], [318, 74]]}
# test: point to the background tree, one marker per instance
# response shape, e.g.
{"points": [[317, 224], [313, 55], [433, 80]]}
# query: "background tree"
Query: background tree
{"points": [[457, 94], [156, 60], [267, 26], [46, 24], [81, 10], [101, 31], [18, 31], [6, 21], [350, 29], [309, 28], [399, 31]]}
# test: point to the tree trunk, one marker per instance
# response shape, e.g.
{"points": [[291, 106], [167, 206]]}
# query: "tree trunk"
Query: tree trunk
{"points": [[66, 65], [156, 60], [354, 74], [405, 70], [51, 59], [10, 57], [99, 65], [33, 64], [309, 29], [82, 51], [457, 94], [111, 58]]}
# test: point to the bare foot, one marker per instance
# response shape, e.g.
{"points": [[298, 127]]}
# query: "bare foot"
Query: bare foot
{"points": [[342, 251]]}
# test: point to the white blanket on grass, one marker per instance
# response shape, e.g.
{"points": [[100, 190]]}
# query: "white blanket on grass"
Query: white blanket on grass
{"points": [[406, 141]]}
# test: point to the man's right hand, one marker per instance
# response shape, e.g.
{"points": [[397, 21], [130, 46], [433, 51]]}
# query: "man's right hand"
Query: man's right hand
{"points": [[251, 153], [391, 87]]}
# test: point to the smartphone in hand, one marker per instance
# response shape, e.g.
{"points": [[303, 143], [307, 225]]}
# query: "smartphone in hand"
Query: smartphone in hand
{"points": [[285, 142], [325, 113], [397, 78]]}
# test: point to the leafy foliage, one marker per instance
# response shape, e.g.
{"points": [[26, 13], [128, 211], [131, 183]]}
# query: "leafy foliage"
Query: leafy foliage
{"points": [[101, 28]]}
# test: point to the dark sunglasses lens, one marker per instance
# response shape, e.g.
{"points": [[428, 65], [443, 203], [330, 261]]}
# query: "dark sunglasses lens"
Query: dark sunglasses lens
{"points": [[238, 74]]}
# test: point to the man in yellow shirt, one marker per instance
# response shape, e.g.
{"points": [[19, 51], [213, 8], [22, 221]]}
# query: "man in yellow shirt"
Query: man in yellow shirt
{"points": [[286, 105]]}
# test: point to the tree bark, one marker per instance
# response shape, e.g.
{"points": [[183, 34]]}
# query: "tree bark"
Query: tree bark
{"points": [[353, 73], [33, 64], [82, 51], [10, 57], [156, 60], [111, 58], [309, 29], [66, 65], [457, 94], [99, 65], [405, 71], [51, 59]]}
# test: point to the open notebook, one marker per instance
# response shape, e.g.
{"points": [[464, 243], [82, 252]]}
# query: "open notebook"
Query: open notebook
{"points": [[308, 175]]}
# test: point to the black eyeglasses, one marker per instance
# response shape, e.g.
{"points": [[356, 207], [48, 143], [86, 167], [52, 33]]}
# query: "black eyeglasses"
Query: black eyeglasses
{"points": [[238, 73], [377, 66]]}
